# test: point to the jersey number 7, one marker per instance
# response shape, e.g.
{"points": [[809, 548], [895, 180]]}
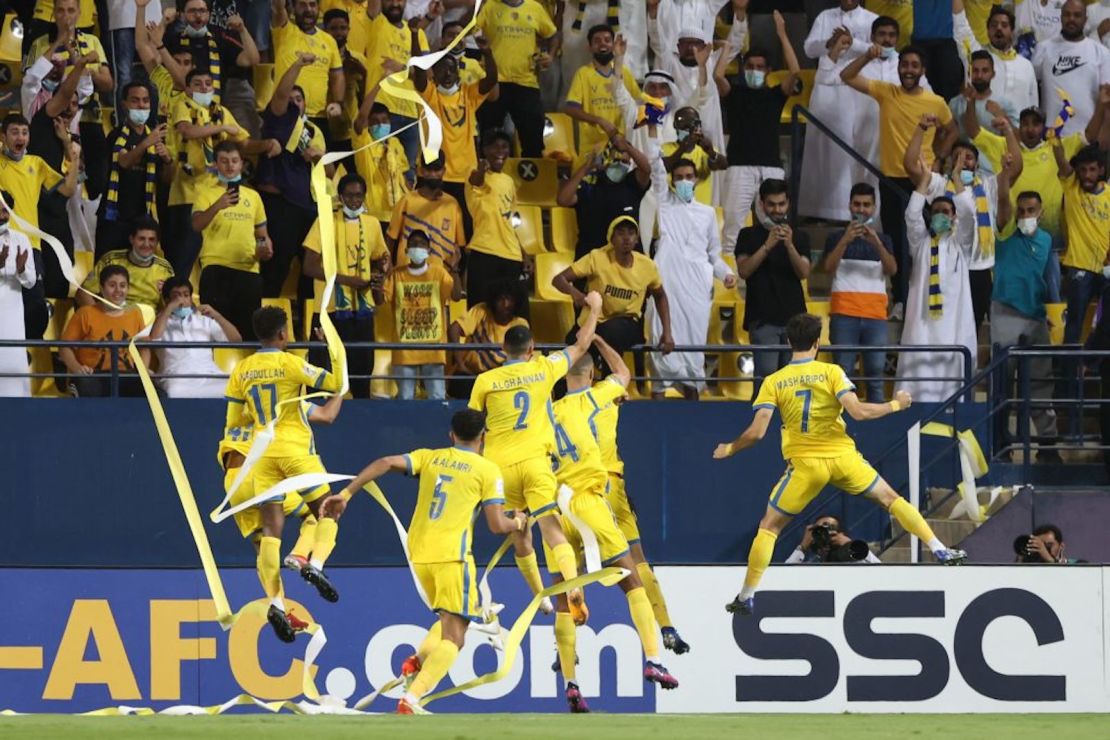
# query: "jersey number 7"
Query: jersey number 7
{"points": [[807, 397]]}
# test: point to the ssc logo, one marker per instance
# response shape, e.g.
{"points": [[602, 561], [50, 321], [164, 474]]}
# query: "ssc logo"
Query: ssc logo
{"points": [[527, 170]]}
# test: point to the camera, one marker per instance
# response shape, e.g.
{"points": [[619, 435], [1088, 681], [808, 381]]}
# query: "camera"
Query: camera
{"points": [[1021, 547], [849, 553]]}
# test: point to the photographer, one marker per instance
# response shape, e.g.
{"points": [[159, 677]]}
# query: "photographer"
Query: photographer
{"points": [[825, 541], [1045, 545]]}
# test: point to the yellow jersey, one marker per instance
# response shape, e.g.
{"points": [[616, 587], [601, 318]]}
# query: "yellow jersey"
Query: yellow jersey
{"points": [[25, 180], [580, 463], [258, 392], [517, 400], [387, 41], [44, 11], [470, 71], [228, 240], [454, 482], [385, 164], [358, 36], [1087, 219], [491, 206], [623, 289], [592, 92], [479, 327], [358, 245], [313, 79], [807, 395], [440, 218], [512, 32], [459, 115], [420, 312], [604, 416], [240, 438], [195, 156], [145, 284]]}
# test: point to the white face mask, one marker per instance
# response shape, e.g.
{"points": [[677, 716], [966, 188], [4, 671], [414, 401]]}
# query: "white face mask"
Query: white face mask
{"points": [[353, 213], [1027, 226], [196, 33], [448, 90], [3, 228]]}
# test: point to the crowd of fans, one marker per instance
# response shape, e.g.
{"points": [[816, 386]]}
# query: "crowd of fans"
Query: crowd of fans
{"points": [[989, 124]]}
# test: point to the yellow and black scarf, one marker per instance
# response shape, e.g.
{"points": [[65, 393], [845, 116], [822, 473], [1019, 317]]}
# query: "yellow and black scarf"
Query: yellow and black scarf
{"points": [[150, 161], [612, 16], [351, 302], [213, 60], [208, 146]]}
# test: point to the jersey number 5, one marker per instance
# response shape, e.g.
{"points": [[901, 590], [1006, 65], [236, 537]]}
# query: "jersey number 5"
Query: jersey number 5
{"points": [[521, 403], [439, 497], [807, 397]]}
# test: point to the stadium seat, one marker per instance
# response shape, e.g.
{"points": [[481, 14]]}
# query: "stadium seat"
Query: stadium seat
{"points": [[456, 310], [292, 280], [194, 280], [548, 265], [384, 331], [227, 357], [82, 266], [551, 320], [286, 305], [42, 358], [537, 180], [528, 222], [148, 312], [807, 77], [264, 84], [558, 137], [10, 44], [306, 313], [564, 229]]}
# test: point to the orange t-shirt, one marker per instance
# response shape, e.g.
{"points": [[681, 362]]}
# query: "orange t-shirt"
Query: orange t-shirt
{"points": [[93, 324]]}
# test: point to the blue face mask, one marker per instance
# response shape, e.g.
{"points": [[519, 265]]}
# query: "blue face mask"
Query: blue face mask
{"points": [[967, 177], [887, 52], [379, 131], [940, 223], [616, 172], [754, 77], [353, 213], [859, 218], [417, 255], [684, 189], [138, 116], [228, 180], [681, 135], [203, 99], [183, 312]]}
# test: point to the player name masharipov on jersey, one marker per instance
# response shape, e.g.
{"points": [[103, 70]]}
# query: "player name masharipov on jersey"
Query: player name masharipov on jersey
{"points": [[807, 395], [261, 384], [517, 400], [453, 483]]}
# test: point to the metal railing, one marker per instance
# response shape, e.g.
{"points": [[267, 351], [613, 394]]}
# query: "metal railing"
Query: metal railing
{"points": [[117, 369]]}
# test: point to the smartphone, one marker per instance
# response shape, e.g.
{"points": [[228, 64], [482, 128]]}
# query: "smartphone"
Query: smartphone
{"points": [[233, 188]]}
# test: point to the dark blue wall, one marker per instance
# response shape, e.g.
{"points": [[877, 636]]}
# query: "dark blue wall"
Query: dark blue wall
{"points": [[86, 482]]}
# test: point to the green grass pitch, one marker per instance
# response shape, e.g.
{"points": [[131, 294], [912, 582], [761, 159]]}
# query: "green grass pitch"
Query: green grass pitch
{"points": [[594, 727]]}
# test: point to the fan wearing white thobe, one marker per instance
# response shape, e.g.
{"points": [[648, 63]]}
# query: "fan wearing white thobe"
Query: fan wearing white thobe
{"points": [[13, 281], [954, 323], [688, 255]]}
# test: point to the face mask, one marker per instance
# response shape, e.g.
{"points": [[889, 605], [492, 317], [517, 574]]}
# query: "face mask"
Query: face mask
{"points": [[448, 90], [887, 52], [459, 50], [50, 85], [203, 99], [138, 116], [940, 223], [139, 259], [380, 131], [353, 213], [967, 177], [182, 312], [754, 77], [228, 180], [859, 218], [681, 135], [4, 228], [684, 189], [432, 183], [603, 57], [13, 156], [417, 255], [196, 33], [981, 86], [1027, 226], [616, 172]]}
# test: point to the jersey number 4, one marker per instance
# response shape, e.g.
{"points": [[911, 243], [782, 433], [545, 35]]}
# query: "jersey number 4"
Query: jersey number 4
{"points": [[807, 398], [439, 497], [563, 444]]}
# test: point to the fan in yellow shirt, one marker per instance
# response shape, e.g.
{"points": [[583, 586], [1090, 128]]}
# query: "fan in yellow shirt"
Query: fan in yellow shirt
{"points": [[494, 252], [260, 395], [590, 98], [147, 270], [454, 482], [580, 468], [486, 323], [323, 81], [430, 209], [517, 400], [470, 71], [810, 396], [384, 163]]}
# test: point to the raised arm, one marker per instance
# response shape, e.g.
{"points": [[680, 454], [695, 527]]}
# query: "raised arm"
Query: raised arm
{"points": [[1063, 167], [586, 332], [1014, 162], [68, 87], [279, 103], [643, 166], [279, 16], [1004, 210], [913, 160], [791, 79], [720, 79], [970, 117], [249, 56], [850, 75], [618, 369], [488, 84], [1098, 128], [567, 197]]}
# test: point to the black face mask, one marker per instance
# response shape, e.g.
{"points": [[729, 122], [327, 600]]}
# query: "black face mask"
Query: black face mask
{"points": [[432, 183], [691, 62], [981, 86], [603, 57]]}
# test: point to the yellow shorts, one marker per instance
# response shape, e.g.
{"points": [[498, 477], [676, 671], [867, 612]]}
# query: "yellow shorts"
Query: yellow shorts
{"points": [[269, 471], [530, 484], [622, 509], [451, 587], [593, 510], [805, 477], [250, 520]]}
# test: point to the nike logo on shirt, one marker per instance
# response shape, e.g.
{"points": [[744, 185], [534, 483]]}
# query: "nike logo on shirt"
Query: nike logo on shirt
{"points": [[1067, 64]]}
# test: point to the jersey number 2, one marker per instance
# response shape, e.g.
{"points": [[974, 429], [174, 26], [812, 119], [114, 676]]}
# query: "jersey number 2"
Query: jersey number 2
{"points": [[807, 397], [439, 497], [521, 404]]}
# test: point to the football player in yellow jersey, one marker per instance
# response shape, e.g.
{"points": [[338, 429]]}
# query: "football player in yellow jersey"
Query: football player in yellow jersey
{"points": [[517, 400], [258, 394], [604, 415], [810, 397], [581, 469], [454, 482]]}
